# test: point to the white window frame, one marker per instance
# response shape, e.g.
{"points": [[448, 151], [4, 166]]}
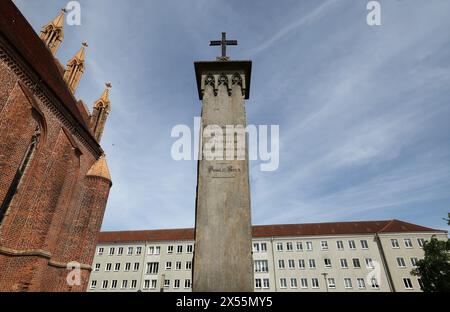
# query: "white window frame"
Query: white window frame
{"points": [[394, 243], [408, 243], [407, 282], [324, 245]]}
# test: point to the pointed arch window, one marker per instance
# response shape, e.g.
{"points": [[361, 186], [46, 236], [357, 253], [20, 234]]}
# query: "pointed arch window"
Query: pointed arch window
{"points": [[20, 173]]}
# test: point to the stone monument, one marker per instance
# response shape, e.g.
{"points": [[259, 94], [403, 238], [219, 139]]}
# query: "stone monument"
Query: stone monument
{"points": [[223, 232]]}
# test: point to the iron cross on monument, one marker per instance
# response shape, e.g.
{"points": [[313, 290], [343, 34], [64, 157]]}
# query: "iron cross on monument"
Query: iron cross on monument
{"points": [[224, 43]]}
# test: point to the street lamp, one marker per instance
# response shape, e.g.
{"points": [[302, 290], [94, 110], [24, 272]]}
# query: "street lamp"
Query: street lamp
{"points": [[325, 279]]}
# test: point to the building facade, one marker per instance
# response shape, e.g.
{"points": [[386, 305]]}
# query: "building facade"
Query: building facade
{"points": [[54, 180], [371, 256]]}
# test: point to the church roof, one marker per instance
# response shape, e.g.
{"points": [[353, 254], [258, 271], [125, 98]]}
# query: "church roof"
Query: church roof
{"points": [[280, 230], [100, 169], [20, 34]]}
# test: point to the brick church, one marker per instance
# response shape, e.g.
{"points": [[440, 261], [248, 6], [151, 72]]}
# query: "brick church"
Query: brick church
{"points": [[54, 180]]}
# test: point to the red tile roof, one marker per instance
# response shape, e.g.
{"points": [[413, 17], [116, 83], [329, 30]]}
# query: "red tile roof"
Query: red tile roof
{"points": [[283, 230], [20, 34]]}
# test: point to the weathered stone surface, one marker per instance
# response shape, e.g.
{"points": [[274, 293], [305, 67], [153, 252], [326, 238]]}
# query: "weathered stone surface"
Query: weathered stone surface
{"points": [[223, 260]]}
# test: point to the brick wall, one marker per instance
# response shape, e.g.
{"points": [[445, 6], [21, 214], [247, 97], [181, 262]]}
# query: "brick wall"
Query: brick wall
{"points": [[56, 213]]}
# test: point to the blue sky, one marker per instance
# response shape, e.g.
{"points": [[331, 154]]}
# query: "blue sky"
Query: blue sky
{"points": [[363, 111]]}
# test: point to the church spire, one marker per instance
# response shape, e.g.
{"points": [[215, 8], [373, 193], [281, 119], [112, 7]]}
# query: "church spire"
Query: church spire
{"points": [[100, 113], [53, 33], [75, 68]]}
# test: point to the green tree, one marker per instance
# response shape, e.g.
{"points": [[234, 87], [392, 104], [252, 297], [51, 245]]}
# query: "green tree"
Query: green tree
{"points": [[434, 269], [448, 219]]}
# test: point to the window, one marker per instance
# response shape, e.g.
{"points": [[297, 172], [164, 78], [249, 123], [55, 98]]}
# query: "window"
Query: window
{"points": [[187, 283], [258, 283], [315, 283], [340, 245], [114, 284], [108, 267], [294, 283], [190, 248], [283, 283], [401, 262], [178, 265], [348, 283], [279, 246], [408, 284], [138, 250], [97, 267], [281, 264], [151, 250], [289, 246], [312, 263], [136, 266], [327, 262], [152, 267], [188, 265], [324, 245], [111, 251], [356, 263], [261, 266], [168, 265], [414, 261], [166, 283], [124, 284], [364, 244], [256, 248], [394, 243], [130, 251], [157, 250], [93, 284], [263, 247], [309, 246], [266, 283], [146, 284], [374, 283], [133, 284], [331, 283], [153, 285], [104, 284], [291, 264], [127, 266], [100, 251], [344, 264], [361, 283], [120, 251], [304, 282], [301, 264], [117, 267], [179, 249], [351, 244], [369, 263], [169, 249], [420, 283], [421, 242], [408, 243], [299, 246], [176, 284]]}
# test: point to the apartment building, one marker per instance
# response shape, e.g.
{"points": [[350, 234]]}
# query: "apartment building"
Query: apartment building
{"points": [[368, 256]]}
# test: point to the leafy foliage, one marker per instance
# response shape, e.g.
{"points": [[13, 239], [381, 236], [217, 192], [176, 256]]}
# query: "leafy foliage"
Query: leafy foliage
{"points": [[434, 269]]}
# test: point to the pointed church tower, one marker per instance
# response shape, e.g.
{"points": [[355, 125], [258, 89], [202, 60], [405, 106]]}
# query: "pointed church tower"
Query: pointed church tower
{"points": [[75, 69], [100, 113], [53, 33]]}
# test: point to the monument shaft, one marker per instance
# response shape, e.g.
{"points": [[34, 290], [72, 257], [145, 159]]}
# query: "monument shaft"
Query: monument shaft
{"points": [[223, 258]]}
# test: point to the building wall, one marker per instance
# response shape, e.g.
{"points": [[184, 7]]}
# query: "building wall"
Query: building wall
{"points": [[274, 273], [45, 225]]}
